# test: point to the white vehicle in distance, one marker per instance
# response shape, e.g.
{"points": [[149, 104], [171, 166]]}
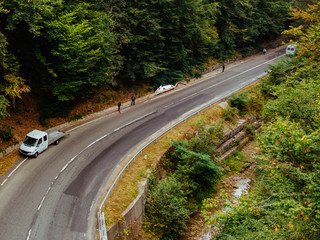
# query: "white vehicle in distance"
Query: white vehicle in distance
{"points": [[164, 88], [37, 141], [291, 49]]}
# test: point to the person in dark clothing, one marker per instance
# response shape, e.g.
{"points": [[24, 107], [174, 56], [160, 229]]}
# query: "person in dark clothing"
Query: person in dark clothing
{"points": [[119, 105], [133, 99], [223, 67]]}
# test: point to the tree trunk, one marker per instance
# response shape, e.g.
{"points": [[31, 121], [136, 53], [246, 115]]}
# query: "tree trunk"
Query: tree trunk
{"points": [[14, 103]]}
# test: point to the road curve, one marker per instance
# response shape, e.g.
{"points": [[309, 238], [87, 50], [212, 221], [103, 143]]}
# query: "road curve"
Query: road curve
{"points": [[56, 196]]}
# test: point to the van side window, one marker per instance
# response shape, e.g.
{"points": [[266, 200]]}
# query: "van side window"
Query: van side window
{"points": [[45, 138]]}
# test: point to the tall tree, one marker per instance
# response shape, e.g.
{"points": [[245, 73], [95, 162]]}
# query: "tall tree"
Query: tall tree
{"points": [[14, 86], [70, 43], [247, 23], [11, 84], [80, 52]]}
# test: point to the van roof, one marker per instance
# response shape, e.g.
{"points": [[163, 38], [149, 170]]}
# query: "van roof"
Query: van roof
{"points": [[292, 45], [36, 134]]}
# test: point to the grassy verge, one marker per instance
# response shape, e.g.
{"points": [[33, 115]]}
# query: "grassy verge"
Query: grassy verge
{"points": [[8, 160]]}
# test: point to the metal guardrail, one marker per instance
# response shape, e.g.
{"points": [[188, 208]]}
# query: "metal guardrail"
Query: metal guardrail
{"points": [[101, 218]]}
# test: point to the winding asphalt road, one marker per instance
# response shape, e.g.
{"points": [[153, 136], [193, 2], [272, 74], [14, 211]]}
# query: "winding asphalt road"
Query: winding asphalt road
{"points": [[56, 196]]}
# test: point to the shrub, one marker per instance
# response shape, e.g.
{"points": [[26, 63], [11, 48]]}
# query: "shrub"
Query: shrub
{"points": [[229, 113], [166, 208], [236, 162], [195, 169], [239, 101], [286, 141], [279, 74], [6, 132], [50, 107], [206, 139], [246, 51], [250, 131], [200, 169], [255, 101], [296, 103], [76, 117]]}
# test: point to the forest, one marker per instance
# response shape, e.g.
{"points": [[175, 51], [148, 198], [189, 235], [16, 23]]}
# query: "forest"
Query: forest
{"points": [[62, 51]]}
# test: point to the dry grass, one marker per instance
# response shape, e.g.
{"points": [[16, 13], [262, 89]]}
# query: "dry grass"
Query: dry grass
{"points": [[8, 160]]}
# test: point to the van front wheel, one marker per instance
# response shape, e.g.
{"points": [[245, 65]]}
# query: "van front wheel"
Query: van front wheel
{"points": [[36, 155]]}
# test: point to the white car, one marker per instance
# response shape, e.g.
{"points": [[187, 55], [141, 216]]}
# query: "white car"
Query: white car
{"points": [[291, 49], [164, 88]]}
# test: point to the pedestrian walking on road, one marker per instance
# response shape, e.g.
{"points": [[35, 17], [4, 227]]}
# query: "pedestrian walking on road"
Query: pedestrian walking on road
{"points": [[133, 99], [119, 105], [264, 51], [223, 67]]}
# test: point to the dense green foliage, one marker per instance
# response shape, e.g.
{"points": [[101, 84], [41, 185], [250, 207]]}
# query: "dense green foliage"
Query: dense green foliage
{"points": [[284, 200], [190, 176], [3, 106], [160, 40], [63, 50], [167, 208], [6, 132], [239, 101], [245, 24]]}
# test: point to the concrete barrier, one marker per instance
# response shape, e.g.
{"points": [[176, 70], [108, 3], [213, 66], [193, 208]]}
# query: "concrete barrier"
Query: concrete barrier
{"points": [[128, 227]]}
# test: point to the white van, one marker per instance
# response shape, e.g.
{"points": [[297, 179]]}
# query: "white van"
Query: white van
{"points": [[37, 141], [291, 49]]}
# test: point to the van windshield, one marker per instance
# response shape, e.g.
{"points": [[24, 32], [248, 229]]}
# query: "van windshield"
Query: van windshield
{"points": [[30, 141]]}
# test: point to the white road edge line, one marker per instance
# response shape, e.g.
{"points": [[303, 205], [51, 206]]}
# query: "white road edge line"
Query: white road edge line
{"points": [[29, 234], [13, 171], [44, 197], [85, 123]]}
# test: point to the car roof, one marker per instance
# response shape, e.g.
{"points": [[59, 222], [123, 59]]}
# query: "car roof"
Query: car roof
{"points": [[36, 134]]}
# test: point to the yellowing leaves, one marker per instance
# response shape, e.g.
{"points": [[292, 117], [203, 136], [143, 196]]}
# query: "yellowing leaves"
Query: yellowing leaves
{"points": [[14, 86], [276, 229]]}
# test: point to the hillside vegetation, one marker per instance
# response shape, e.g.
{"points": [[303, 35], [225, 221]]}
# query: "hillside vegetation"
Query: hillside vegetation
{"points": [[284, 201], [64, 50]]}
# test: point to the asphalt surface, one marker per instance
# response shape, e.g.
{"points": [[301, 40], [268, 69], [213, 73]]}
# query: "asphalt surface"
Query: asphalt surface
{"points": [[56, 196]]}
